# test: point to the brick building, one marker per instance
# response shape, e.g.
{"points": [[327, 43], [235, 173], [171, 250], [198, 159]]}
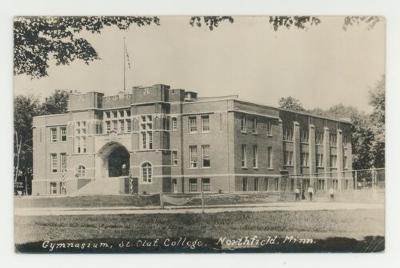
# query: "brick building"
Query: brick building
{"points": [[156, 139]]}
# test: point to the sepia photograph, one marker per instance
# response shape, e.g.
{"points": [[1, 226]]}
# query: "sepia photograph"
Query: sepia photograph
{"points": [[199, 134]]}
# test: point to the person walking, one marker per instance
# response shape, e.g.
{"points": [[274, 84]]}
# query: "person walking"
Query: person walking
{"points": [[297, 194], [310, 191], [331, 194]]}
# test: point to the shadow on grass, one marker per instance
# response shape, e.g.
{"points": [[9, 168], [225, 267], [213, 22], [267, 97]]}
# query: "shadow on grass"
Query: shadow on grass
{"points": [[203, 245]]}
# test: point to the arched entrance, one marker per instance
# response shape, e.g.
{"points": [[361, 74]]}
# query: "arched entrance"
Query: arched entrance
{"points": [[118, 162], [115, 160]]}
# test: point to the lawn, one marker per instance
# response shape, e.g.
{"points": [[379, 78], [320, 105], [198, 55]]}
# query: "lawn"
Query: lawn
{"points": [[319, 225]]}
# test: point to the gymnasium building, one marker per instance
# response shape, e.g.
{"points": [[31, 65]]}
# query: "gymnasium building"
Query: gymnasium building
{"points": [[157, 139]]}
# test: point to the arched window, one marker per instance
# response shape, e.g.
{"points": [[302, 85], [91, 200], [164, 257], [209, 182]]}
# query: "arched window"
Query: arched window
{"points": [[146, 172], [81, 171]]}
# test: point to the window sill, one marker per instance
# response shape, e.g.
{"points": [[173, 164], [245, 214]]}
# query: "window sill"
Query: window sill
{"points": [[269, 135], [244, 167], [193, 132], [243, 131], [270, 169], [205, 132]]}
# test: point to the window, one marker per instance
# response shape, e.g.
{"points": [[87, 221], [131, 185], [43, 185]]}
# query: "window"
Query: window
{"points": [[80, 137], [276, 184], [146, 132], [193, 156], [174, 158], [321, 184], [254, 125], [345, 166], [346, 140], [128, 113], [146, 172], [174, 123], [108, 126], [53, 188], [269, 157], [83, 144], [192, 185], [115, 125], [108, 114], [332, 139], [205, 184], [53, 134], [255, 156], [114, 114], [266, 186], [150, 135], [99, 129], [333, 160], [243, 123], [81, 171], [304, 136], [122, 126], [269, 128], [319, 138], [244, 184], [205, 123], [63, 131], [287, 133], [205, 155], [304, 159], [256, 184], [288, 158], [244, 155], [335, 184], [63, 160], [53, 162], [128, 125], [320, 160], [192, 124]]}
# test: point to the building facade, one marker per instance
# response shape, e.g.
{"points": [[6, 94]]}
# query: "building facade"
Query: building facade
{"points": [[156, 139]]}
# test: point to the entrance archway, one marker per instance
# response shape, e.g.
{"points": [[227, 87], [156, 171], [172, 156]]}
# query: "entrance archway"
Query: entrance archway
{"points": [[118, 162], [115, 160]]}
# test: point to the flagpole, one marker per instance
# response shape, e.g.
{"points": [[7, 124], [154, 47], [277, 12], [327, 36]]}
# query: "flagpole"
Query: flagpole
{"points": [[124, 65]]}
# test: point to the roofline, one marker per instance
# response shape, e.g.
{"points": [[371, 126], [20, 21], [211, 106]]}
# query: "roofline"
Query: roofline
{"points": [[298, 112]]}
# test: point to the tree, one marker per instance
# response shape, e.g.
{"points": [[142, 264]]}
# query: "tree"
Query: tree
{"points": [[25, 107], [377, 118], [38, 39], [56, 103], [290, 103]]}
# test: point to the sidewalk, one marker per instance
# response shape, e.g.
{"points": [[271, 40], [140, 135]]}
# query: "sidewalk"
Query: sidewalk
{"points": [[281, 206]]}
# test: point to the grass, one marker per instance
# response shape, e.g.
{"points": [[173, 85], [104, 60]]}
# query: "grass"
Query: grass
{"points": [[139, 200], [307, 224]]}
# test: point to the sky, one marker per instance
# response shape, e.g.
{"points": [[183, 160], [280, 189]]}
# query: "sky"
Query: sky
{"points": [[321, 66]]}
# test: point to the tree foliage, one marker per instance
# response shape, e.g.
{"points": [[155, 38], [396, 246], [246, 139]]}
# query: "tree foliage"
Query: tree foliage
{"points": [[37, 40], [368, 130], [25, 108], [290, 103], [288, 22], [56, 103], [377, 118], [211, 22]]}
